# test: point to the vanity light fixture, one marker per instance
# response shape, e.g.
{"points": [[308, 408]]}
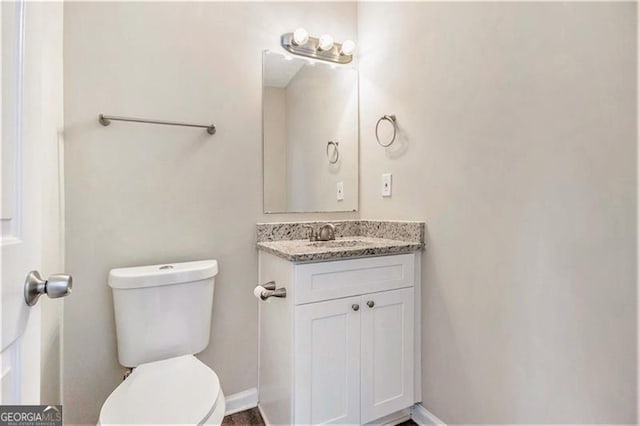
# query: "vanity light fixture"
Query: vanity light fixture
{"points": [[300, 37], [348, 46], [325, 42], [324, 48]]}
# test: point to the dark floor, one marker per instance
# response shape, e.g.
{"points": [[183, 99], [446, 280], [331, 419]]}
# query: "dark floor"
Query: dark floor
{"points": [[249, 417], [252, 417]]}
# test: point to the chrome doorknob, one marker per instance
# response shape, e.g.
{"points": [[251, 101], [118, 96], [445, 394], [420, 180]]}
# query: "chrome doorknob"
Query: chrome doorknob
{"points": [[57, 285]]}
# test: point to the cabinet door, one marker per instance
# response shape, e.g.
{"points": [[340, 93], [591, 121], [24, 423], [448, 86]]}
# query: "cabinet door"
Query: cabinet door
{"points": [[327, 362], [387, 352]]}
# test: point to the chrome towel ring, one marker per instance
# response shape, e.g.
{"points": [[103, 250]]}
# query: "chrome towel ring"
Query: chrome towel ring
{"points": [[333, 158], [391, 119]]}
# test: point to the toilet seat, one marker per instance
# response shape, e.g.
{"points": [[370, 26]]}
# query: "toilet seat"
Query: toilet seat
{"points": [[179, 390]]}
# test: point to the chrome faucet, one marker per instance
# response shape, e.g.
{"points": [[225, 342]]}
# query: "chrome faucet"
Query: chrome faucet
{"points": [[327, 232], [313, 236]]}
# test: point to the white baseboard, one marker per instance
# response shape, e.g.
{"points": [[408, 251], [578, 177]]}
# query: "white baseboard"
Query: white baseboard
{"points": [[264, 418], [392, 419], [424, 417], [249, 399], [241, 401]]}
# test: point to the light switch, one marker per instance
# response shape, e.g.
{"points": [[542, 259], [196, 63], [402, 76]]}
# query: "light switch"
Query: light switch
{"points": [[340, 191], [386, 185]]}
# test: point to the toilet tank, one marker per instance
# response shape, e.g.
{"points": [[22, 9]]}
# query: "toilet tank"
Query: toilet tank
{"points": [[162, 311]]}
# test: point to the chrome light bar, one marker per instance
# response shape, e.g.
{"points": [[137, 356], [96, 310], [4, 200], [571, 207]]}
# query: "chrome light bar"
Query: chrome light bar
{"points": [[311, 49]]}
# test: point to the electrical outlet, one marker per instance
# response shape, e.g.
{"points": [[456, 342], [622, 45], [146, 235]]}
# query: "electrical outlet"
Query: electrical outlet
{"points": [[386, 185], [340, 191]]}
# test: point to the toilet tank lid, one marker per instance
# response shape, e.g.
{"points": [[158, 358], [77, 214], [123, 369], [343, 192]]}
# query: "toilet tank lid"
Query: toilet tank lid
{"points": [[162, 274]]}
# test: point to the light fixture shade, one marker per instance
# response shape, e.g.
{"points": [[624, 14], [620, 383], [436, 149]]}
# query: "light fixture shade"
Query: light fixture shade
{"points": [[300, 36], [325, 42], [348, 47]]}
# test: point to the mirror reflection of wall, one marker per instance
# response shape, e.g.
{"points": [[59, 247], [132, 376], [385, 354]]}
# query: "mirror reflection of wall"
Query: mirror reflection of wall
{"points": [[306, 105]]}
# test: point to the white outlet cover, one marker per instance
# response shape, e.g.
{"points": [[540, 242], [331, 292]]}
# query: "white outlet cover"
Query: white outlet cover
{"points": [[340, 191], [386, 185]]}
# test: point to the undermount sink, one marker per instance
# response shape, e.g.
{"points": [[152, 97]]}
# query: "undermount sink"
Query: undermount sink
{"points": [[338, 243]]}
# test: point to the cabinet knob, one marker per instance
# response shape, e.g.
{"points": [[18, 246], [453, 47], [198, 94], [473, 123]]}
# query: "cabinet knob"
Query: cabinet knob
{"points": [[371, 303], [355, 306]]}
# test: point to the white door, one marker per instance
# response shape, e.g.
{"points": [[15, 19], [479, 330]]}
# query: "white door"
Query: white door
{"points": [[31, 103], [387, 352], [327, 362]]}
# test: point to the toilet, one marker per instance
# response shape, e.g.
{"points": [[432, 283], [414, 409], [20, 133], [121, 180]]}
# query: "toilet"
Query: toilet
{"points": [[163, 318]]}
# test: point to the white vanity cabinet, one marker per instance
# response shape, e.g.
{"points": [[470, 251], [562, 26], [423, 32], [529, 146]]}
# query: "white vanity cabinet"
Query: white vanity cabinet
{"points": [[343, 346]]}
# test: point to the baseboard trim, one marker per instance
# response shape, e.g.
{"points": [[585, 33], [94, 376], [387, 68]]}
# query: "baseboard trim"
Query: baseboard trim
{"points": [[249, 399], [241, 401], [392, 419], [424, 417], [265, 419]]}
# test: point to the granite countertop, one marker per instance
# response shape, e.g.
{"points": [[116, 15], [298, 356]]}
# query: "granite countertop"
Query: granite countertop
{"points": [[357, 239], [306, 251]]}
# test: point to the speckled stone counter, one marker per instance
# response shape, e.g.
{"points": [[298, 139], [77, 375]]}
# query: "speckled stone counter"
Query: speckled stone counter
{"points": [[354, 238]]}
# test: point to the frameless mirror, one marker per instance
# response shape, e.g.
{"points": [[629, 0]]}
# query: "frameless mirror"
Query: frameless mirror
{"points": [[310, 135]]}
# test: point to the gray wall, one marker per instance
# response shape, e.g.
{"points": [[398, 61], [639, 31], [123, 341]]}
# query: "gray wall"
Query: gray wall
{"points": [[274, 111], [518, 148], [50, 21], [142, 194]]}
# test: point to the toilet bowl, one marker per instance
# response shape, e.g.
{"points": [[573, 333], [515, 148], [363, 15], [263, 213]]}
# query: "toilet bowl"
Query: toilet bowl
{"points": [[178, 390], [163, 318]]}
